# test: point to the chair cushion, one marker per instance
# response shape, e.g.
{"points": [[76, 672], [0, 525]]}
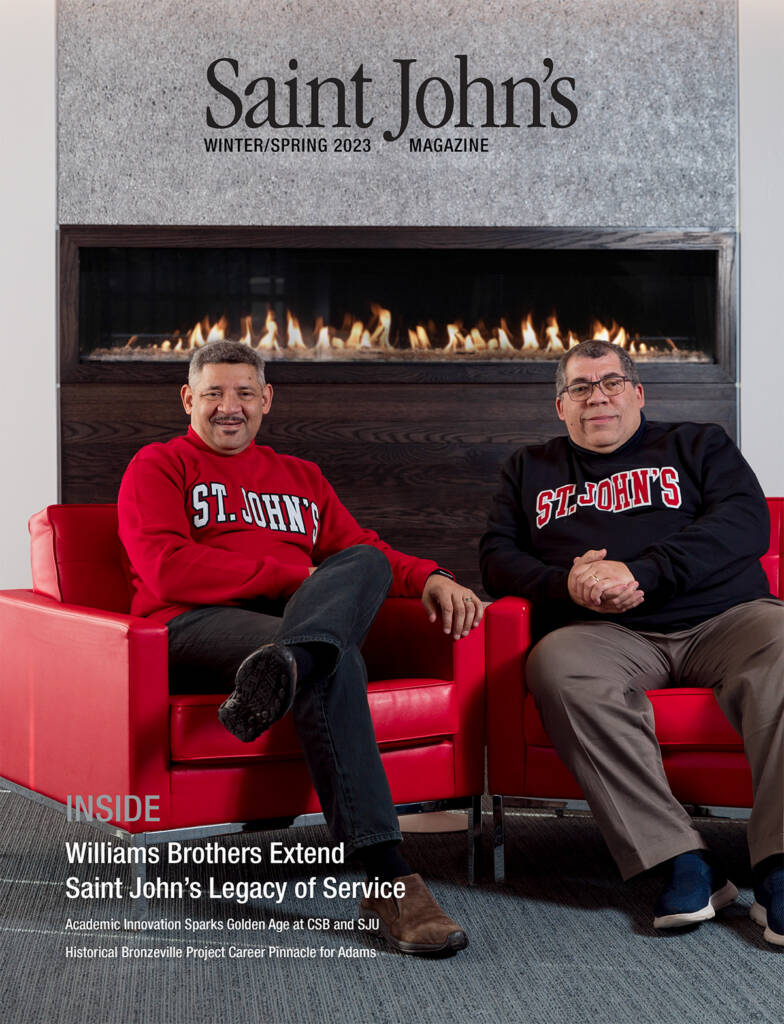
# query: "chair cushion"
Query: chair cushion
{"points": [[248, 789], [713, 777], [404, 711]]}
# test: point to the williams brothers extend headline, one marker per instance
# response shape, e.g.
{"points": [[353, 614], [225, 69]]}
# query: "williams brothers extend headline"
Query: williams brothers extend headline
{"points": [[214, 853]]}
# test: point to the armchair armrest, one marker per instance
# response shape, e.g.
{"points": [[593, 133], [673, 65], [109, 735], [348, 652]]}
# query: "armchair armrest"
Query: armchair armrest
{"points": [[508, 631], [404, 644], [84, 705]]}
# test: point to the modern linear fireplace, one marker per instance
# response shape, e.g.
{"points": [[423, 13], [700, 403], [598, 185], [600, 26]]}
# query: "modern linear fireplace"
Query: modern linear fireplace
{"points": [[411, 305], [410, 361], [378, 297]]}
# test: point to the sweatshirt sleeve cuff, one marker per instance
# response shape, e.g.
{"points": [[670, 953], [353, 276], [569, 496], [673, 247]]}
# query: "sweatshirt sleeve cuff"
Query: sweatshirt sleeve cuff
{"points": [[420, 574], [646, 573], [559, 584], [442, 572]]}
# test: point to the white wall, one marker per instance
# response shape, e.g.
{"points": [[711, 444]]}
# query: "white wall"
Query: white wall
{"points": [[762, 239], [28, 421]]}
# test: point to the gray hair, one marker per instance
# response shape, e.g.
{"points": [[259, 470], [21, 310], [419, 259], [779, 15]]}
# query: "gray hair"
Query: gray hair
{"points": [[224, 352], [595, 349]]}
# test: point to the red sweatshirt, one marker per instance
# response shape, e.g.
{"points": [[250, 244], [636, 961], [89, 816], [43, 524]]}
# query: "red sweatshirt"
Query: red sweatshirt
{"points": [[200, 527]]}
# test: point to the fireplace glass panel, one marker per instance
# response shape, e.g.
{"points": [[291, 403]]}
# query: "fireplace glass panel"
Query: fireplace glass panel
{"points": [[397, 304]]}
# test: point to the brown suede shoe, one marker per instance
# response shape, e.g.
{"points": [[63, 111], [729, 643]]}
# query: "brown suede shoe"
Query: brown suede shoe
{"points": [[415, 923]]}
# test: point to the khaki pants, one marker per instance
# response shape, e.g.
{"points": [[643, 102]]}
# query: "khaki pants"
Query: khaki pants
{"points": [[589, 682]]}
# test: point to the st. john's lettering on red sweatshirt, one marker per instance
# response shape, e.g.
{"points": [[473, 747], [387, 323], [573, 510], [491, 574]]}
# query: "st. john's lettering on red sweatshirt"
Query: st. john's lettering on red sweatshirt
{"points": [[200, 527]]}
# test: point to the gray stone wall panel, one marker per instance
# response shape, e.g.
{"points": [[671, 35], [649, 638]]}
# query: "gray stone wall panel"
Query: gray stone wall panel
{"points": [[654, 143]]}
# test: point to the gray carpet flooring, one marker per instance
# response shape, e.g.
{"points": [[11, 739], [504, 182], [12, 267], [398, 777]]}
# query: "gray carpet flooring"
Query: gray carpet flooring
{"points": [[564, 940]]}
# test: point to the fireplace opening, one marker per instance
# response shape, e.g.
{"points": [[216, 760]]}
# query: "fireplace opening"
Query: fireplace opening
{"points": [[395, 304]]}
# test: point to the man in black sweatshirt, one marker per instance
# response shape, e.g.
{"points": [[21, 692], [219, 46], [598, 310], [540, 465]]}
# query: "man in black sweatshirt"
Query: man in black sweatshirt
{"points": [[639, 545]]}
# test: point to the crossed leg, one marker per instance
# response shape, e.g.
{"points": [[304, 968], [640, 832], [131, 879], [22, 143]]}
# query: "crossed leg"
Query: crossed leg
{"points": [[333, 610]]}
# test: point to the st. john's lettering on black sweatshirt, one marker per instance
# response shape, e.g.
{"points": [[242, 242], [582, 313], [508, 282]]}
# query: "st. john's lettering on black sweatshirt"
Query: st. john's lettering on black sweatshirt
{"points": [[677, 503]]}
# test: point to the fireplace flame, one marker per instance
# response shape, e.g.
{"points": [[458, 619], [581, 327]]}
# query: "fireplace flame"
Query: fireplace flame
{"points": [[247, 331], [195, 339], [293, 332], [268, 342], [530, 341], [456, 341], [322, 343], [620, 338], [376, 334], [553, 334], [380, 336], [599, 332], [218, 330], [478, 342], [419, 339], [354, 339], [505, 337]]}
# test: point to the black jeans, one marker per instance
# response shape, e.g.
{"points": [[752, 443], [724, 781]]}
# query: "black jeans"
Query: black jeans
{"points": [[336, 606]]}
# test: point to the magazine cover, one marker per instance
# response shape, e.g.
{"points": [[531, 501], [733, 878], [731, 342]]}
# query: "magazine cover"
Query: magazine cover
{"points": [[287, 289]]}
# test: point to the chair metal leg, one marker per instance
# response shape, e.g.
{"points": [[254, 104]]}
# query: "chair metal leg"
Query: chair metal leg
{"points": [[474, 839], [499, 866]]}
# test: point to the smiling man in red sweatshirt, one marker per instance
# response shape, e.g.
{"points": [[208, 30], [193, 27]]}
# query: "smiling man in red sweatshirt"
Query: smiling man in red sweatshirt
{"points": [[268, 586]]}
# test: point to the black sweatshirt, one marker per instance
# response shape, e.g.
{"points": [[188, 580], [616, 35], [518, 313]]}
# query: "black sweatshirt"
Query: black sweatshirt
{"points": [[677, 503]]}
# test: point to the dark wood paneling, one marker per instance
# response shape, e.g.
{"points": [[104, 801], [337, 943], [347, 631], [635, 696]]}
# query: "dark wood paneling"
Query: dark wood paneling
{"points": [[389, 237], [419, 463]]}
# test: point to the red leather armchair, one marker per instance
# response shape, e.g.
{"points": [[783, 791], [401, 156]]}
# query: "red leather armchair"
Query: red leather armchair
{"points": [[702, 754], [85, 708]]}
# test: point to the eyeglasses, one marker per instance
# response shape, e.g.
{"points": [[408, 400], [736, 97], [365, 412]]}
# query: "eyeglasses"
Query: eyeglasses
{"points": [[581, 391]]}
